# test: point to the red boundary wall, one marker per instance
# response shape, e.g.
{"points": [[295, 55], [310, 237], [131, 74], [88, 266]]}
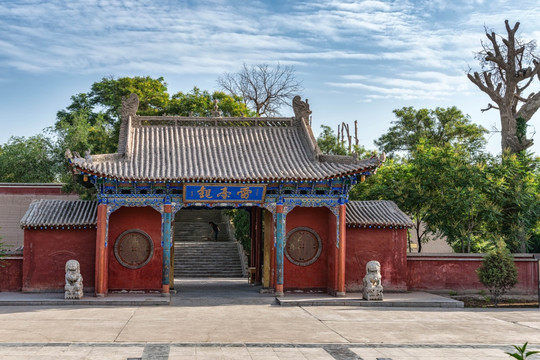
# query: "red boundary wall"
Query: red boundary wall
{"points": [[46, 253], [387, 246], [11, 272], [31, 189], [457, 272]]}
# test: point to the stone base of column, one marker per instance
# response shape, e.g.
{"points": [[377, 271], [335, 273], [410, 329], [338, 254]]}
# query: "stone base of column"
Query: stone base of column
{"points": [[340, 294], [100, 295], [279, 290], [165, 289]]}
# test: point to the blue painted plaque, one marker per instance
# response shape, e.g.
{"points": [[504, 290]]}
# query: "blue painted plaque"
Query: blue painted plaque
{"points": [[233, 193]]}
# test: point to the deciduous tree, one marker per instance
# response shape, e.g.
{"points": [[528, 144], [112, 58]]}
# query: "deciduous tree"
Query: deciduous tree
{"points": [[329, 143], [201, 103], [509, 67], [264, 89], [28, 160], [434, 127]]}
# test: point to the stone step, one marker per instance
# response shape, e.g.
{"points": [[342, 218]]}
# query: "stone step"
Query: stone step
{"points": [[195, 252], [207, 259]]}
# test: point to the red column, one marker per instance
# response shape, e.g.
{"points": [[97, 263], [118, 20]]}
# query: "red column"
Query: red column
{"points": [[341, 251], [101, 251]]}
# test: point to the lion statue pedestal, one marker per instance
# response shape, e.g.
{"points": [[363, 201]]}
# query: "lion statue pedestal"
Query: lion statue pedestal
{"points": [[74, 280], [373, 289]]}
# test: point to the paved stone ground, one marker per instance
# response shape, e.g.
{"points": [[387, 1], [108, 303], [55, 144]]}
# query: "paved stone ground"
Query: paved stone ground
{"points": [[211, 351], [230, 320]]}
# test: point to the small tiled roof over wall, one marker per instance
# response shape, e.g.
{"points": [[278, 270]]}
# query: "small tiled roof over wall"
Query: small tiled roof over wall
{"points": [[376, 213], [57, 214]]}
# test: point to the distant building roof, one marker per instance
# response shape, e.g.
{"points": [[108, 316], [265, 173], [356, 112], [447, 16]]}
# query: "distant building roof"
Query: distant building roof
{"points": [[60, 213], [375, 213], [175, 148]]}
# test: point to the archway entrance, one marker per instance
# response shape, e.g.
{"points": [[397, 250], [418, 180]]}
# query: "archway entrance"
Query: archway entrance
{"points": [[205, 258]]}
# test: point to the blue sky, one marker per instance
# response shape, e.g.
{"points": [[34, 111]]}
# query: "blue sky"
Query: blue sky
{"points": [[357, 60]]}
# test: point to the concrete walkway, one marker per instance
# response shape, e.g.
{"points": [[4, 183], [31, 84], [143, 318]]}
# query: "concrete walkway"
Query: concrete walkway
{"points": [[230, 320]]}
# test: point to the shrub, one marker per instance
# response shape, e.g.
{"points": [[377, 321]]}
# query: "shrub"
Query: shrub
{"points": [[498, 273]]}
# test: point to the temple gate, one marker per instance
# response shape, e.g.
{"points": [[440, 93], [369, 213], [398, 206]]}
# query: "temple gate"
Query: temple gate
{"points": [[167, 163]]}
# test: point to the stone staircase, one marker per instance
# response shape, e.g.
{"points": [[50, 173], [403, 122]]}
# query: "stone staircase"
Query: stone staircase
{"points": [[192, 225], [206, 259], [195, 252]]}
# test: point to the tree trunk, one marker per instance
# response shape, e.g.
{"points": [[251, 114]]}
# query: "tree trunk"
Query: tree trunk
{"points": [[418, 236], [509, 137]]}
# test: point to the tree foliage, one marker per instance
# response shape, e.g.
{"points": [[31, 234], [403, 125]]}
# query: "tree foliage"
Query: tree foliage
{"points": [[241, 223], [515, 180], [25, 160], [498, 272], [328, 142], [201, 103], [92, 121], [264, 89], [451, 187], [459, 194], [433, 127], [509, 67]]}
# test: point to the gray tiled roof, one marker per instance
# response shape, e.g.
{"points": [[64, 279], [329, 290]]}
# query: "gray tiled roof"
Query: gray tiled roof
{"points": [[384, 213], [80, 213], [60, 213], [218, 149]]}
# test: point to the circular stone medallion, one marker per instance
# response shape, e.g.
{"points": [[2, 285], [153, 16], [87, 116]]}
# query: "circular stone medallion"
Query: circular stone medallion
{"points": [[133, 249], [303, 246]]}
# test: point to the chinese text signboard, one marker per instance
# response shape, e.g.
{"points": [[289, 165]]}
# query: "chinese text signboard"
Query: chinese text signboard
{"points": [[234, 193]]}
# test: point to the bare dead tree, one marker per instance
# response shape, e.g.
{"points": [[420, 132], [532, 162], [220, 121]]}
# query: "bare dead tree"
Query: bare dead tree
{"points": [[509, 66], [344, 134], [347, 136], [263, 88], [356, 141]]}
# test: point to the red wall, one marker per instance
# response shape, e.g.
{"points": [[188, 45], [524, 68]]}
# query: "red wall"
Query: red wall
{"points": [[11, 273], [46, 253], [387, 246], [457, 272], [149, 276], [31, 189], [316, 275]]}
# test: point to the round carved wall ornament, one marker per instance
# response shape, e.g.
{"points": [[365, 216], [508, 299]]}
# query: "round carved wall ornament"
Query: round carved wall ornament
{"points": [[303, 246], [133, 249]]}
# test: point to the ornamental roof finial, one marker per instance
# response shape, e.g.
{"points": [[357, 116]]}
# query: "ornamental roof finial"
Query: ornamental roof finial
{"points": [[216, 112]]}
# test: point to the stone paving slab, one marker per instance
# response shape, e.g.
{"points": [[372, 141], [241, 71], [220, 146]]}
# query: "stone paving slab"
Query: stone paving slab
{"points": [[406, 299], [248, 351], [55, 299], [231, 320]]}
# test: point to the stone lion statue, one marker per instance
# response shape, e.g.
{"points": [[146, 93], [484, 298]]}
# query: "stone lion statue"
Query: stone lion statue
{"points": [[74, 280], [373, 289]]}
